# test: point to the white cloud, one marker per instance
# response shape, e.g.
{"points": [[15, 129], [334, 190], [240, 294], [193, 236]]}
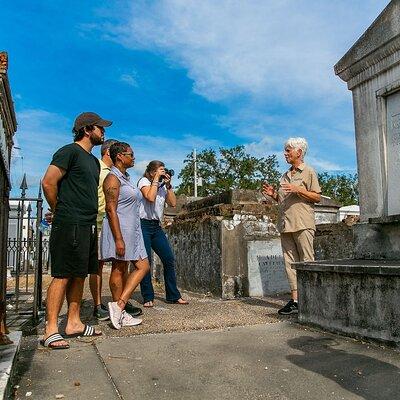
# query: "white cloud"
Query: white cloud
{"points": [[270, 63], [172, 151], [325, 165], [129, 79], [40, 133], [261, 48], [270, 145]]}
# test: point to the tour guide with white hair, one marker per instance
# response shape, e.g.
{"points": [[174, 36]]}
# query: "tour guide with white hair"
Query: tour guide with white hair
{"points": [[299, 190]]}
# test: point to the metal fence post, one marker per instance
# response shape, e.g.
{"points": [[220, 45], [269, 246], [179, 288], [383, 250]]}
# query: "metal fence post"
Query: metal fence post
{"points": [[18, 255], [37, 291], [23, 188]]}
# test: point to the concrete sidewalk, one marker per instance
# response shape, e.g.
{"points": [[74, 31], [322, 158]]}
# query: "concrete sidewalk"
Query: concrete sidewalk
{"points": [[270, 361]]}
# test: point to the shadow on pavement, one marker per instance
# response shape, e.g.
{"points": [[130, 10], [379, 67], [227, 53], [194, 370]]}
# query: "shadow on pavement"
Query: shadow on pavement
{"points": [[25, 357], [363, 375]]}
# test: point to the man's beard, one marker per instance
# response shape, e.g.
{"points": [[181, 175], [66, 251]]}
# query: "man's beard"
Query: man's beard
{"points": [[95, 140]]}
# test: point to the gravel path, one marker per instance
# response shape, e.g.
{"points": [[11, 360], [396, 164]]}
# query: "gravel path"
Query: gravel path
{"points": [[204, 312]]}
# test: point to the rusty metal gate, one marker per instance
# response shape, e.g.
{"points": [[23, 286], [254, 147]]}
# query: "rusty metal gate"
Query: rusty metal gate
{"points": [[27, 255]]}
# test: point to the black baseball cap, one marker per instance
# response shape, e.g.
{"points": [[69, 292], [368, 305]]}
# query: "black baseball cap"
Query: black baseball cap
{"points": [[90, 118]]}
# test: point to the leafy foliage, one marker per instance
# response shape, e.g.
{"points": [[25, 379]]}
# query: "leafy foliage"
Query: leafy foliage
{"points": [[232, 168], [341, 187]]}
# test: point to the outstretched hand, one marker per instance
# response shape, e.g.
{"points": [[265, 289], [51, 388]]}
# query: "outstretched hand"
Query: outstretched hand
{"points": [[268, 190]]}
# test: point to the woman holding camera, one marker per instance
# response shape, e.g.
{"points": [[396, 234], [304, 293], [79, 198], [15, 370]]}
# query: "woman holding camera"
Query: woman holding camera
{"points": [[157, 190]]}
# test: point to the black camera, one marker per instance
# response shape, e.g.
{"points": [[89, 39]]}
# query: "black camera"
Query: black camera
{"points": [[169, 172]]}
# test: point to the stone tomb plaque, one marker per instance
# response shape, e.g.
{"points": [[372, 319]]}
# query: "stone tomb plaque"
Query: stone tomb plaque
{"points": [[266, 268], [393, 152]]}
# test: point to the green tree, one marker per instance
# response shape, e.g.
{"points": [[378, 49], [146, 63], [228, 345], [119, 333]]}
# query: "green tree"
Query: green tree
{"points": [[232, 168], [340, 187]]}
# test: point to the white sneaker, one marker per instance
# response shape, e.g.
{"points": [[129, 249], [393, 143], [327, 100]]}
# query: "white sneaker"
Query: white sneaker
{"points": [[116, 315], [128, 320]]}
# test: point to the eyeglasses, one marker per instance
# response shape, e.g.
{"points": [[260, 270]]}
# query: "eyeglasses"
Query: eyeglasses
{"points": [[101, 128], [127, 154]]}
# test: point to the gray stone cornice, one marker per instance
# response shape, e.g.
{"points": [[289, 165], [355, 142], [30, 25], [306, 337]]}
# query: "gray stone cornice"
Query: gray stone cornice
{"points": [[375, 51], [7, 115], [374, 69], [7, 108]]}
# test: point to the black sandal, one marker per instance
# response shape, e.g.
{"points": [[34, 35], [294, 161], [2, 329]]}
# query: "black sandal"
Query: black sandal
{"points": [[49, 342], [88, 331]]}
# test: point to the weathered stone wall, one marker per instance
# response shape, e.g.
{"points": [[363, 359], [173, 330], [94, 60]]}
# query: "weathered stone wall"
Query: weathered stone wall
{"points": [[379, 239], [354, 297], [215, 240], [228, 245], [243, 237], [334, 241], [197, 248], [233, 249], [215, 254]]}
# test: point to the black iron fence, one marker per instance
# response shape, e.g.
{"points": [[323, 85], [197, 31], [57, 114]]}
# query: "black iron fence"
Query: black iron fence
{"points": [[27, 254]]}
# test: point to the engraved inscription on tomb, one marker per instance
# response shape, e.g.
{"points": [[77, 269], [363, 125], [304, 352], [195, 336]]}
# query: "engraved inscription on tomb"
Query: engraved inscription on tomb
{"points": [[395, 122], [272, 269]]}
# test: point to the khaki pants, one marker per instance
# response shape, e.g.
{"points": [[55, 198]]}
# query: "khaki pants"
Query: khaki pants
{"points": [[297, 246]]}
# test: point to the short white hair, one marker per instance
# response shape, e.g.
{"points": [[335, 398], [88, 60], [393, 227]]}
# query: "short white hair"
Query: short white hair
{"points": [[297, 143]]}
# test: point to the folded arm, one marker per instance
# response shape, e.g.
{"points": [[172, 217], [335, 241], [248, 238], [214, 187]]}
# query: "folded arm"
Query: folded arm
{"points": [[308, 195], [50, 182]]}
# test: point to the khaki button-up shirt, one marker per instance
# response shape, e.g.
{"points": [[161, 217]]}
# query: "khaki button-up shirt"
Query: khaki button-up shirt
{"points": [[295, 212], [104, 170]]}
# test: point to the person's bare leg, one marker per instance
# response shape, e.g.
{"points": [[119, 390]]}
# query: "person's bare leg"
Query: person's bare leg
{"points": [[54, 301], [134, 278], [96, 284], [127, 272], [74, 296], [118, 278], [294, 295]]}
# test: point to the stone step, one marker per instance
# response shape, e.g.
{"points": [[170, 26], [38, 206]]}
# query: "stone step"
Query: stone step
{"points": [[8, 359], [358, 298]]}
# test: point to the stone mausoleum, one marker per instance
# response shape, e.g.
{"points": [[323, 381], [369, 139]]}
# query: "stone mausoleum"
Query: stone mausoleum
{"points": [[228, 245], [8, 127], [360, 296]]}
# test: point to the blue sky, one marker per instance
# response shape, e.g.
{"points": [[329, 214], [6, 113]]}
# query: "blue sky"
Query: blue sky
{"points": [[182, 74]]}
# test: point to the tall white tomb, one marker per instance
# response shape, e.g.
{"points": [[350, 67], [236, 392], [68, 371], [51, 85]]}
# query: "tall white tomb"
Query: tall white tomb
{"points": [[360, 296]]}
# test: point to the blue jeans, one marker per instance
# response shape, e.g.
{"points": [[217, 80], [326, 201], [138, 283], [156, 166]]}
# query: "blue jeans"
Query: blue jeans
{"points": [[154, 238]]}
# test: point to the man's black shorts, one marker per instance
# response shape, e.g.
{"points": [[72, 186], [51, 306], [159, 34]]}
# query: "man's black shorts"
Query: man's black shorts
{"points": [[73, 250]]}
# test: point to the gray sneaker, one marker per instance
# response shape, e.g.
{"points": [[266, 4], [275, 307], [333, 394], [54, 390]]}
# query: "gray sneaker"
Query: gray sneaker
{"points": [[128, 320], [116, 314], [101, 313], [290, 308]]}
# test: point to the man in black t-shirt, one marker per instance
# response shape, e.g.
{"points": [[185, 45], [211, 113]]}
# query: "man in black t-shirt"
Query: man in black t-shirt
{"points": [[70, 187]]}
